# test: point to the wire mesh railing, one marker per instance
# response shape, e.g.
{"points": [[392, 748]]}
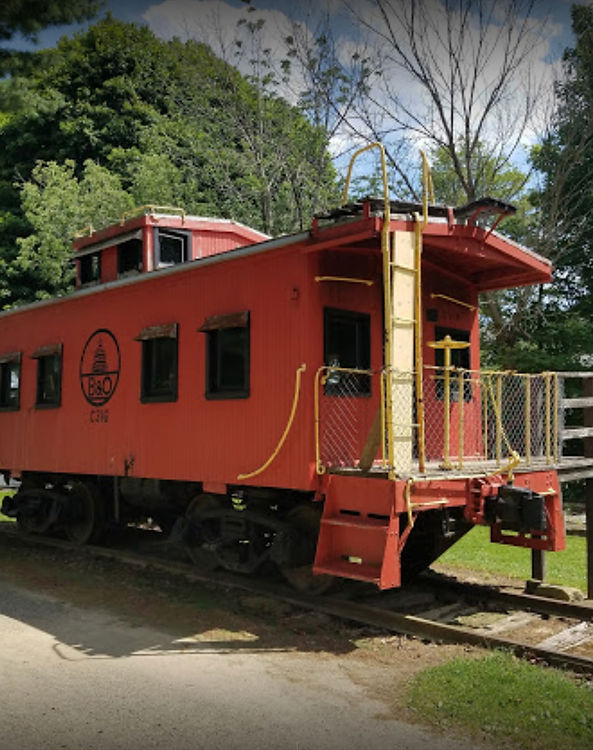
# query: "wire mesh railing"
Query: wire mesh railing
{"points": [[474, 422]]}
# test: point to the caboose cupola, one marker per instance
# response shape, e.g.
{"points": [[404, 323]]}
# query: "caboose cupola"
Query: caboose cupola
{"points": [[149, 239]]}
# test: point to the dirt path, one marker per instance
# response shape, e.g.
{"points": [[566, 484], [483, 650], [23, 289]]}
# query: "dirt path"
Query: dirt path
{"points": [[96, 655]]}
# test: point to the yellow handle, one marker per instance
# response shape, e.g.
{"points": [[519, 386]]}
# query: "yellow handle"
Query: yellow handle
{"points": [[295, 401]]}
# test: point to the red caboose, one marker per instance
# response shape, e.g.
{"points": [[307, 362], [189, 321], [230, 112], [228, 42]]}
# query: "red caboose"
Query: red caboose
{"points": [[315, 398]]}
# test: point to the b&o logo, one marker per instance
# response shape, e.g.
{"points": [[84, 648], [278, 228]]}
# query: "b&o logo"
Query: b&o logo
{"points": [[99, 367]]}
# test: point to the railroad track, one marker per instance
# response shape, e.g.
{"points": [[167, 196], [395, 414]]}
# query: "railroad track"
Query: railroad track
{"points": [[549, 631]]}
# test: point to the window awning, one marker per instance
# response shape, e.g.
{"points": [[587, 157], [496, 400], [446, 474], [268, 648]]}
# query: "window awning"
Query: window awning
{"points": [[227, 320], [47, 351], [10, 357], [163, 331]]}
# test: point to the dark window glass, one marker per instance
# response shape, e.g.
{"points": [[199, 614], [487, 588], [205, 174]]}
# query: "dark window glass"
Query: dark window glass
{"points": [[129, 257], [159, 369], [172, 247], [460, 358], [90, 269], [49, 380], [227, 373], [10, 379], [347, 344]]}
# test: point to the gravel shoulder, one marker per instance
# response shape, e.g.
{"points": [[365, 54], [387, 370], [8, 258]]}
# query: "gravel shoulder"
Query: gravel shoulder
{"points": [[132, 658]]}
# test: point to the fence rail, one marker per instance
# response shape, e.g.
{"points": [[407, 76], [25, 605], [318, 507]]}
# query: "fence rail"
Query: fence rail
{"points": [[474, 422]]}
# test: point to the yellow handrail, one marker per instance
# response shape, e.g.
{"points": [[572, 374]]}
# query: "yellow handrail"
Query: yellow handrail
{"points": [[461, 425], [427, 187], [447, 344], [528, 420], [295, 401], [318, 466], [386, 256], [150, 207], [346, 279], [418, 355], [89, 230], [453, 300], [548, 397], [555, 407]]}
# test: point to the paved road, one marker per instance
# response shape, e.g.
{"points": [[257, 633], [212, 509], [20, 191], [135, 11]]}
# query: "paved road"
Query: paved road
{"points": [[82, 680]]}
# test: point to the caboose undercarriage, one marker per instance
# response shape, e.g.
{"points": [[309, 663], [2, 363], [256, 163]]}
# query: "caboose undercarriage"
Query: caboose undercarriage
{"points": [[372, 535], [244, 531]]}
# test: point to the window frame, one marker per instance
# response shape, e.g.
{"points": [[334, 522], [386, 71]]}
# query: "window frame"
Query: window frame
{"points": [[214, 327], [89, 258], [148, 338], [360, 385], [7, 363], [43, 355], [132, 271], [182, 234]]}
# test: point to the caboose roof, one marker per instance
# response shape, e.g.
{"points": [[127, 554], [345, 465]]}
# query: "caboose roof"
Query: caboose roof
{"points": [[452, 239], [128, 228]]}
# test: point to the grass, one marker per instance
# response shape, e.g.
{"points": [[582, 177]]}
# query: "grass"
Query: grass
{"points": [[3, 493], [475, 552], [509, 700]]}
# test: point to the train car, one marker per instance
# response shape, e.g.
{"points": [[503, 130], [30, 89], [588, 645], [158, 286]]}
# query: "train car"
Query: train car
{"points": [[313, 401]]}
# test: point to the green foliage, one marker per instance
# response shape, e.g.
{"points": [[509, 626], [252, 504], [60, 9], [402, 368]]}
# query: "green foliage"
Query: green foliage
{"points": [[57, 204], [28, 17], [507, 700], [3, 518], [169, 121], [561, 332], [490, 178], [475, 552]]}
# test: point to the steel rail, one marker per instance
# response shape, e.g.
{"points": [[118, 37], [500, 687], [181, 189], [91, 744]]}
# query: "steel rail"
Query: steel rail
{"points": [[582, 610], [404, 624]]}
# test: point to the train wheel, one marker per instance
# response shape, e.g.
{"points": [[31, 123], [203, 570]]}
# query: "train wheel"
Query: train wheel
{"points": [[306, 521], [88, 522], [203, 531], [39, 517], [27, 525]]}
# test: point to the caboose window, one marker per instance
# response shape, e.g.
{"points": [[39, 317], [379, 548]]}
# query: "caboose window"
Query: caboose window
{"points": [[49, 378], [129, 257], [227, 355], [347, 345], [90, 268], [171, 247], [159, 363], [10, 378]]}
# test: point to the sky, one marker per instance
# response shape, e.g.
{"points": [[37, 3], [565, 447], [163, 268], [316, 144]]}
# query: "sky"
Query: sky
{"points": [[215, 22], [163, 15]]}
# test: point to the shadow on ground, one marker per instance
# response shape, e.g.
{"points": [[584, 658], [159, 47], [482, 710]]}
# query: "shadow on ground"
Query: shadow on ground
{"points": [[102, 609]]}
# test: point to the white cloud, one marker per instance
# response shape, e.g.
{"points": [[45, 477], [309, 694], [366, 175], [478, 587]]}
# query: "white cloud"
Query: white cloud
{"points": [[230, 31], [218, 23], [482, 49]]}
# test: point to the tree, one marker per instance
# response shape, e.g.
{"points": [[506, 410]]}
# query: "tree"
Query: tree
{"points": [[563, 201], [172, 122], [565, 161], [457, 79], [454, 76], [57, 205], [28, 17]]}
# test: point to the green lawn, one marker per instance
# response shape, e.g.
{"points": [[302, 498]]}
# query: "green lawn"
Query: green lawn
{"points": [[475, 552], [2, 495], [514, 703]]}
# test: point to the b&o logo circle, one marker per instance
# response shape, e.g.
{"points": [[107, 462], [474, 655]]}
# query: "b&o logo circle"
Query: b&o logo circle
{"points": [[100, 364]]}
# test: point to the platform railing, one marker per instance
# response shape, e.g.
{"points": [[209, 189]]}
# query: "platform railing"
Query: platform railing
{"points": [[473, 422]]}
